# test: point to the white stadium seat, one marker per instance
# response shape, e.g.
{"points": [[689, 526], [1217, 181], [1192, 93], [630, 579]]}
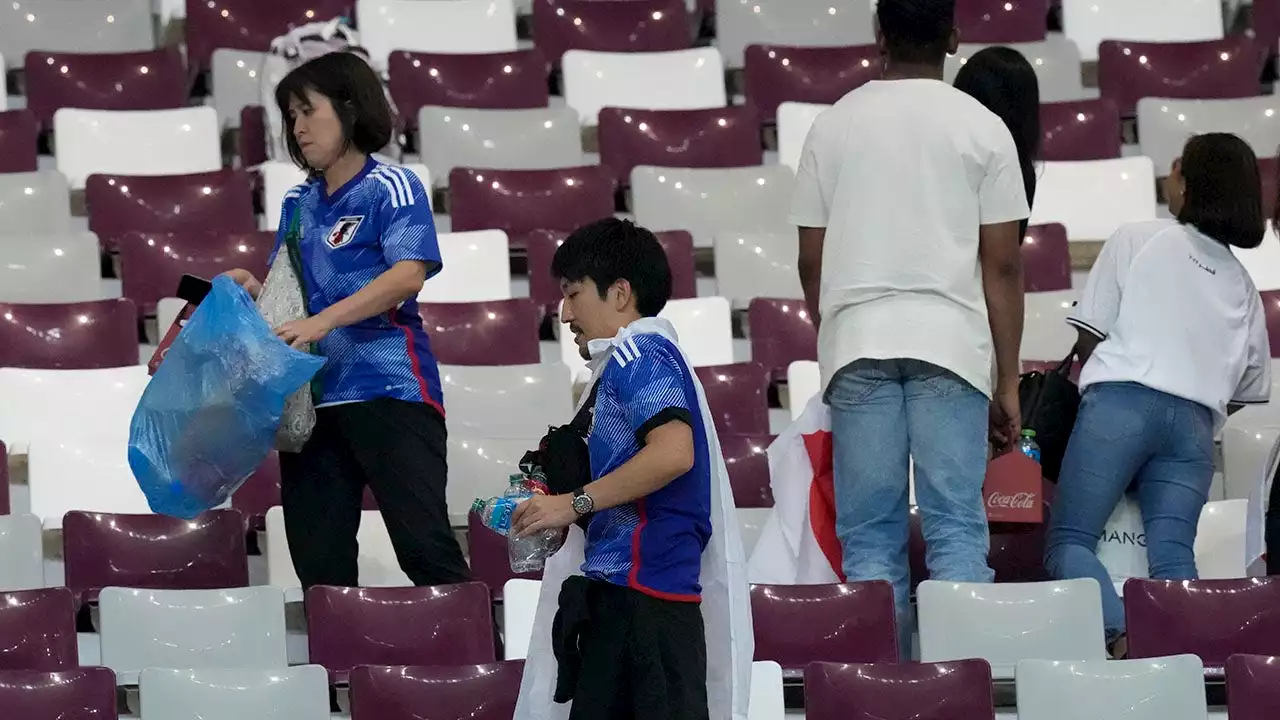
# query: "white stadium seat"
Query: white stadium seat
{"points": [[1046, 334], [1168, 688], [479, 467], [237, 82], [136, 142], [794, 121], [676, 80], [807, 23], [1056, 62], [1092, 198], [767, 702], [1089, 22], [1008, 622], [476, 268], [1263, 262], [50, 268], [457, 26], [534, 139], [752, 265], [706, 201], [90, 474], [34, 203], [519, 606], [21, 553], [58, 26], [804, 380], [377, 560], [480, 399], [1165, 125], [295, 693], [68, 405], [195, 629]]}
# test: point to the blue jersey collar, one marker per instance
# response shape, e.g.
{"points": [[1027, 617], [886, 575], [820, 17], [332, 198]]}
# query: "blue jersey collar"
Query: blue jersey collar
{"points": [[335, 198]]}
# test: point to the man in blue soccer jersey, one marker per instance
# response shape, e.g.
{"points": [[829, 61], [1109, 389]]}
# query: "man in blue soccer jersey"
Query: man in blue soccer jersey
{"points": [[629, 635]]}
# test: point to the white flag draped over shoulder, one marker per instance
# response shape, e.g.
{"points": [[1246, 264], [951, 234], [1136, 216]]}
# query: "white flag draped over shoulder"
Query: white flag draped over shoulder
{"points": [[798, 544]]}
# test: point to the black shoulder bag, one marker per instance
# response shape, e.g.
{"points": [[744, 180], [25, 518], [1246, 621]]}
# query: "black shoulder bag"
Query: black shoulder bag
{"points": [[562, 455], [1049, 404]]}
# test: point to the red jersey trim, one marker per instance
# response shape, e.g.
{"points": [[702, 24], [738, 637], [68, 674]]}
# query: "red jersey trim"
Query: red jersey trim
{"points": [[633, 578], [413, 361]]}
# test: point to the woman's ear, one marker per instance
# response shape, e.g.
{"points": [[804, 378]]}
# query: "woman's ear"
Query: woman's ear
{"points": [[1175, 189]]}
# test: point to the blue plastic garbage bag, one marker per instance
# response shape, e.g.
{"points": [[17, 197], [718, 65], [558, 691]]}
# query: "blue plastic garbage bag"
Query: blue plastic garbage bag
{"points": [[209, 416]]}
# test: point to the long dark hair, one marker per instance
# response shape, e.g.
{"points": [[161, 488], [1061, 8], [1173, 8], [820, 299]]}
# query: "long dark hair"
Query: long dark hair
{"points": [[1004, 82], [1223, 190]]}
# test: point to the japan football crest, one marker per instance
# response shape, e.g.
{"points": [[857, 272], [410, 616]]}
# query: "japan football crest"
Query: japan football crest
{"points": [[343, 231]]}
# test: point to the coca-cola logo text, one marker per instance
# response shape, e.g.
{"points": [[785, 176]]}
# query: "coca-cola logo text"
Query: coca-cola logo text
{"points": [[1016, 501]]}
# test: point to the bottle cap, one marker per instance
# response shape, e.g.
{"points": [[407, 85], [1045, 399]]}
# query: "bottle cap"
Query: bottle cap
{"points": [[1028, 433], [477, 505]]}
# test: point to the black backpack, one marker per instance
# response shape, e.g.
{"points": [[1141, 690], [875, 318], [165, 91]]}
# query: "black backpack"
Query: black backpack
{"points": [[562, 456], [1049, 404]]}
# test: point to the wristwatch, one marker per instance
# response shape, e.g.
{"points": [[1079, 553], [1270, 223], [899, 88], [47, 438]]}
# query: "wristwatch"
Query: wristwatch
{"points": [[582, 502]]}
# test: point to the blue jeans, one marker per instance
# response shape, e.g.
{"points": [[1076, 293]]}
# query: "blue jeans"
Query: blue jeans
{"points": [[1128, 434], [882, 413]]}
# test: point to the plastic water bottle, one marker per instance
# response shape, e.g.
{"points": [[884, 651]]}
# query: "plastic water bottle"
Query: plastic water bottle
{"points": [[1027, 444], [527, 553], [515, 487]]}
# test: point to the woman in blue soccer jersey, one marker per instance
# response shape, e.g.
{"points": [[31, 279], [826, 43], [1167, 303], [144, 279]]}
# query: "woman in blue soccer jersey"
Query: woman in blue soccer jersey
{"points": [[367, 242]]}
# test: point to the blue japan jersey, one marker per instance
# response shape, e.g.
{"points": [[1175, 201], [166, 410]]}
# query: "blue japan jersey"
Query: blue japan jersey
{"points": [[653, 545], [379, 218]]}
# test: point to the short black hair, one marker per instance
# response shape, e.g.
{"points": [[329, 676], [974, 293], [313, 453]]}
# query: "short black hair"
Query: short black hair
{"points": [[1223, 195], [610, 250], [357, 96], [917, 31], [1005, 83]]}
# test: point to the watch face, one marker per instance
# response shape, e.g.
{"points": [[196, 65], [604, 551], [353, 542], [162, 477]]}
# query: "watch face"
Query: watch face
{"points": [[582, 504]]}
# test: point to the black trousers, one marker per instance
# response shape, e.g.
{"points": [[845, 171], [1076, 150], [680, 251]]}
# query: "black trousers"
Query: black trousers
{"points": [[629, 656], [398, 449]]}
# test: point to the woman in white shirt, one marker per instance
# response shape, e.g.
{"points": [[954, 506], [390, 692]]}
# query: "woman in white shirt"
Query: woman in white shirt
{"points": [[1172, 333]]}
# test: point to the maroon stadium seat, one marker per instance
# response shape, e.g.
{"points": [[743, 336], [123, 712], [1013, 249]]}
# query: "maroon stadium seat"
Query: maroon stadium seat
{"points": [[609, 26], [849, 622], [774, 74], [511, 80], [746, 459], [1080, 130], [441, 625], [152, 263], [1213, 619], [38, 630], [521, 201], [718, 137], [545, 291], [152, 80], [738, 396], [259, 493], [153, 551], [957, 690], [1214, 69], [474, 692], [1271, 307], [18, 135], [1253, 681], [87, 693], [497, 332], [1046, 258], [1016, 554], [490, 563], [252, 145], [1002, 21], [781, 333], [251, 24], [1268, 168], [69, 336], [221, 200]]}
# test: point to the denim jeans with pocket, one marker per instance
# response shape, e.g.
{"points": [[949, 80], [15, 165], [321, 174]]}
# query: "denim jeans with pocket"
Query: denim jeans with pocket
{"points": [[1129, 437], [882, 413]]}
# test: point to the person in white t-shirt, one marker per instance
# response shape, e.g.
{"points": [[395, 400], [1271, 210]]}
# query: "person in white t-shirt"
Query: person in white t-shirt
{"points": [[1173, 336], [908, 199]]}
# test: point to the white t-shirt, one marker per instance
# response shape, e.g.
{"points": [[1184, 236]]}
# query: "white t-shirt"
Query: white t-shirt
{"points": [[901, 173], [1177, 313]]}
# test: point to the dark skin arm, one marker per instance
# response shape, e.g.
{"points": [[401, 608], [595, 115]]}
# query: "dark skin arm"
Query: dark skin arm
{"points": [[1086, 343], [810, 267], [1000, 258]]}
